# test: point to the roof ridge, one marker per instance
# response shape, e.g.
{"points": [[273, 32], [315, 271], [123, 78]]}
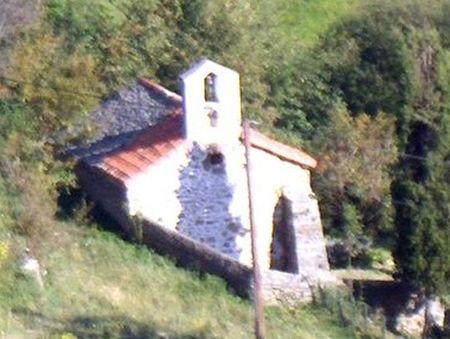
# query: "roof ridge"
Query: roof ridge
{"points": [[150, 84], [289, 153]]}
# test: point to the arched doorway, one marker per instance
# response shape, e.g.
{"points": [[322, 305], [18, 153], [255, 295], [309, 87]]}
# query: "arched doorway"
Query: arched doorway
{"points": [[283, 250]]}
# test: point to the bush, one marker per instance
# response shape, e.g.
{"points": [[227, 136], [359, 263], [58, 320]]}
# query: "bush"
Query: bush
{"points": [[355, 314]]}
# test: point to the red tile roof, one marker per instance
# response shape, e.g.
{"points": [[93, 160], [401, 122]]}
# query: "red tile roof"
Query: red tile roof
{"points": [[152, 145], [158, 141]]}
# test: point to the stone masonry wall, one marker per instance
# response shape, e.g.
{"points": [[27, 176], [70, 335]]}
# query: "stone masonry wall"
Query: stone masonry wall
{"points": [[194, 255], [206, 199], [311, 248], [277, 286], [214, 203]]}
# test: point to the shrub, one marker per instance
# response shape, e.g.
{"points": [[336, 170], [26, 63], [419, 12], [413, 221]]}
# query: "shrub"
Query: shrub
{"points": [[355, 314]]}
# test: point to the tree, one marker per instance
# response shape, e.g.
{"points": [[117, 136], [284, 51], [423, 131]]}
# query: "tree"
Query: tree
{"points": [[422, 250], [58, 86], [393, 57], [355, 156]]}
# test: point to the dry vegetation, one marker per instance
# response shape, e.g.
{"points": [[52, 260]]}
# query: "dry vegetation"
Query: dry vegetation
{"points": [[16, 14]]}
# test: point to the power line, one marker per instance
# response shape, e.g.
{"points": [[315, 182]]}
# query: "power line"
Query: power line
{"points": [[412, 156], [424, 159]]}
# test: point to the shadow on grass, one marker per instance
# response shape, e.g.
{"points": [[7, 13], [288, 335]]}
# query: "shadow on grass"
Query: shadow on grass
{"points": [[74, 204], [93, 327]]}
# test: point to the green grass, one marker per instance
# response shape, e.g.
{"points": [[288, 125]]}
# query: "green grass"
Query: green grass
{"points": [[97, 285], [303, 21]]}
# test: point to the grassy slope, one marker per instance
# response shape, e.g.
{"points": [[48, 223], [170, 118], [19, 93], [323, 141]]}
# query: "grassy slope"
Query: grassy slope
{"points": [[97, 285]]}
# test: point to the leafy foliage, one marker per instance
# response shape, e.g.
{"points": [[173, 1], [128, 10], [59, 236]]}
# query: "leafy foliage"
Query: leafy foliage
{"points": [[392, 60], [355, 158], [422, 246], [53, 82]]}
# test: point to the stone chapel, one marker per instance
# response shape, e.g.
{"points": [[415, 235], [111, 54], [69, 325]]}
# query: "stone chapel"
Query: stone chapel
{"points": [[179, 161]]}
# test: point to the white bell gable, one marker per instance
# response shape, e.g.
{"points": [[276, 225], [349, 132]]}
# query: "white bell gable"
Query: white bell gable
{"points": [[212, 104]]}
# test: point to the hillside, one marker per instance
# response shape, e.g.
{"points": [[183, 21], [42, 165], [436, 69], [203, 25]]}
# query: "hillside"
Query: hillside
{"points": [[363, 85], [97, 285]]}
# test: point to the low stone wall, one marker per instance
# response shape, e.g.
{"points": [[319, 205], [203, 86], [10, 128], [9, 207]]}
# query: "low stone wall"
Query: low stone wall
{"points": [[192, 254], [278, 287], [286, 288]]}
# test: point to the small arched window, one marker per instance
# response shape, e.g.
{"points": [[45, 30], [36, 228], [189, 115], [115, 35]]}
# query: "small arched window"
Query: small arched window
{"points": [[214, 160], [210, 88]]}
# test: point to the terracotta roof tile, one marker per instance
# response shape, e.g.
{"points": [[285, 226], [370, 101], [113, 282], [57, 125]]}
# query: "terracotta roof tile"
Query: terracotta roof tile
{"points": [[121, 117], [149, 155], [133, 159], [152, 145], [116, 162], [115, 172]]}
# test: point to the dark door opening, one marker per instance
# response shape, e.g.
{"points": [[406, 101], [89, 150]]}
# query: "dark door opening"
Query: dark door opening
{"points": [[283, 251]]}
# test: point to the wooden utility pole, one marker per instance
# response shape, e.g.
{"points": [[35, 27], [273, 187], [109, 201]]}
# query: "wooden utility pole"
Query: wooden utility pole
{"points": [[257, 279]]}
